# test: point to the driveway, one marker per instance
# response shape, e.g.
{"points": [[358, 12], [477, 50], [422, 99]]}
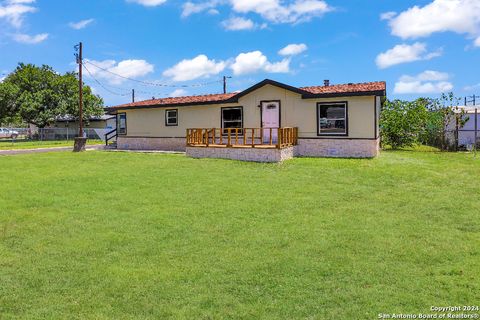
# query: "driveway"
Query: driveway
{"points": [[43, 150]]}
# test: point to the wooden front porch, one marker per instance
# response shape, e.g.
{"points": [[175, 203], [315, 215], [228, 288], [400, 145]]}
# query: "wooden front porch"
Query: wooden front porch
{"points": [[266, 138]]}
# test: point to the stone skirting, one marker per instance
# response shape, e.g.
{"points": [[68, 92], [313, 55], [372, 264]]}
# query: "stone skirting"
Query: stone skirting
{"points": [[244, 154], [145, 143], [341, 148]]}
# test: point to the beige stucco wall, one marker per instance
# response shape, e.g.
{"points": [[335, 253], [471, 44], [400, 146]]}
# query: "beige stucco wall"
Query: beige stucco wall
{"points": [[295, 112]]}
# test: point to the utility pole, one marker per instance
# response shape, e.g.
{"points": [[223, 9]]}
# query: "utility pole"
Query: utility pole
{"points": [[79, 55], [80, 141], [471, 99], [133, 95], [225, 83]]}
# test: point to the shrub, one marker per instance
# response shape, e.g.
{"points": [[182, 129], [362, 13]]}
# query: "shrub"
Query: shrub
{"points": [[403, 122]]}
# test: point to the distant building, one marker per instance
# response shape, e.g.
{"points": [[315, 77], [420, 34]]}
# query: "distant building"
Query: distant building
{"points": [[101, 122], [466, 134]]}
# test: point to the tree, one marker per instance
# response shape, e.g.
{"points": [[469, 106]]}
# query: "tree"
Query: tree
{"points": [[8, 107], [403, 122], [443, 118], [39, 95]]}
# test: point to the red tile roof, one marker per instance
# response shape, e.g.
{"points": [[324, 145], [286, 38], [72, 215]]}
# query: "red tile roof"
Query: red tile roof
{"points": [[353, 88], [347, 88], [208, 98]]}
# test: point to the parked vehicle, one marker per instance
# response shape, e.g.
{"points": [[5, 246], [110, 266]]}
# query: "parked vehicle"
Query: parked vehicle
{"points": [[7, 133]]}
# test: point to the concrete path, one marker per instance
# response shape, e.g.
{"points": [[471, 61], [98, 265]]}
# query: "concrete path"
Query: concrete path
{"points": [[44, 150]]}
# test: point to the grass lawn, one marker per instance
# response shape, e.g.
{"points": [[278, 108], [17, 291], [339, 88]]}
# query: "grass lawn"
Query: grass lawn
{"points": [[103, 235], [28, 144]]}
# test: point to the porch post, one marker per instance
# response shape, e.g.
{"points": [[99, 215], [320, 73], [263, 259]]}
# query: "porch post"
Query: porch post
{"points": [[279, 142]]}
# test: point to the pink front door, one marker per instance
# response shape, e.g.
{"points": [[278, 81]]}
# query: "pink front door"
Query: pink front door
{"points": [[270, 119]]}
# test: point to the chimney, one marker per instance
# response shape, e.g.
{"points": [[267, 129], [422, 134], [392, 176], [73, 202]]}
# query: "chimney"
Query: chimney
{"points": [[326, 83]]}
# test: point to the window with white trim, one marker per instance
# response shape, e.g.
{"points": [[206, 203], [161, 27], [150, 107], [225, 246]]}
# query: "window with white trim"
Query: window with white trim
{"points": [[171, 117], [332, 118]]}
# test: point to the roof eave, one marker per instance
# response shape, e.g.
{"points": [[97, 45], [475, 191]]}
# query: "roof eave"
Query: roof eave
{"points": [[264, 83], [170, 105]]}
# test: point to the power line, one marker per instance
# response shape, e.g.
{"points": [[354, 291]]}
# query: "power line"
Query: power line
{"points": [[154, 83], [127, 91], [103, 86]]}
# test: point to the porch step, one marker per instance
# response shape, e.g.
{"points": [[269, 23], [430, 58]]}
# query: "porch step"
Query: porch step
{"points": [[111, 146]]}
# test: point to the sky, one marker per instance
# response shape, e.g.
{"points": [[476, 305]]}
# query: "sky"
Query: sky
{"points": [[175, 47]]}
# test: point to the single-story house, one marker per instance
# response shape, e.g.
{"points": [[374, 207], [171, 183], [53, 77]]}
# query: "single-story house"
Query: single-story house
{"points": [[269, 121]]}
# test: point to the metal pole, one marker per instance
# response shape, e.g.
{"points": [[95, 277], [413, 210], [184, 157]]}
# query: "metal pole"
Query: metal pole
{"points": [[456, 131], [80, 88], [133, 95], [225, 83], [476, 128]]}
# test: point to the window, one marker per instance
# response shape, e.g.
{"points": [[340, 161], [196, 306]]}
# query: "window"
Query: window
{"points": [[122, 123], [232, 118], [332, 118], [171, 117]]}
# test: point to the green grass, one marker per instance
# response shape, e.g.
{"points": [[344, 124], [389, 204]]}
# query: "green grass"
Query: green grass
{"points": [[29, 144], [104, 235]]}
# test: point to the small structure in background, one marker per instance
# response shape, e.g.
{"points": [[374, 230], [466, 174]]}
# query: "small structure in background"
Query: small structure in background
{"points": [[98, 126], [66, 128], [467, 136]]}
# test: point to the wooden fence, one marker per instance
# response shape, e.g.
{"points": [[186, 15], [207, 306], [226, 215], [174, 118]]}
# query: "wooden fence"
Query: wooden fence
{"points": [[243, 137]]}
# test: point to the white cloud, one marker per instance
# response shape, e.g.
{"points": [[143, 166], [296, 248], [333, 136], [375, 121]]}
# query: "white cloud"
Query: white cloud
{"points": [[472, 87], [81, 24], [275, 11], [477, 42], [278, 67], [14, 11], [28, 39], [388, 15], [256, 61], [20, 1], [125, 68], [198, 67], [238, 23], [293, 49], [403, 53], [178, 93], [148, 3], [190, 8], [426, 82], [459, 16]]}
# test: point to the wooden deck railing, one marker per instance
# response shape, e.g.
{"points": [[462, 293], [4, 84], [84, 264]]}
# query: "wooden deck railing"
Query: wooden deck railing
{"points": [[243, 137]]}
